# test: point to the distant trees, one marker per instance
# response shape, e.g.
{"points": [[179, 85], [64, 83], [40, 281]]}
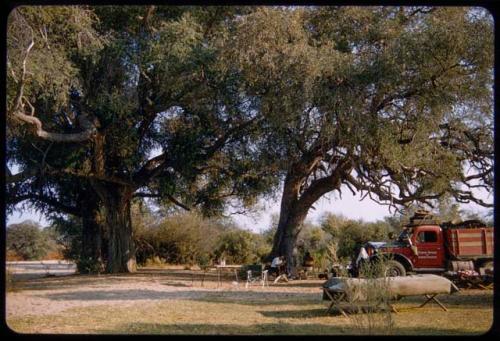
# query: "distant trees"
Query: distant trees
{"points": [[28, 241], [347, 234]]}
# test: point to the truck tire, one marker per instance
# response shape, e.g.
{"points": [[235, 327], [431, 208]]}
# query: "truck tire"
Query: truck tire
{"points": [[394, 269]]}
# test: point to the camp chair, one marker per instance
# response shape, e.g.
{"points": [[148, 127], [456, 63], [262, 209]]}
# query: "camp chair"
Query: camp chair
{"points": [[251, 279]]}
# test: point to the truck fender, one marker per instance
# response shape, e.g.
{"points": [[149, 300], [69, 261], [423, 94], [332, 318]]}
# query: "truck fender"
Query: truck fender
{"points": [[405, 261]]}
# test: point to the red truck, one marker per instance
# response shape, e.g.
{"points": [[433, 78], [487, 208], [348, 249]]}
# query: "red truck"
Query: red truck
{"points": [[427, 246]]}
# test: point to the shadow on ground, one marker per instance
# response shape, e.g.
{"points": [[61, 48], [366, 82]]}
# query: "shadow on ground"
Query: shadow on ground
{"points": [[186, 278], [225, 297], [272, 329], [469, 299]]}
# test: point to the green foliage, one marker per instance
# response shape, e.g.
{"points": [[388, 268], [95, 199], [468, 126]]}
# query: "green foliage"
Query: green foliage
{"points": [[241, 247], [389, 90], [269, 233], [59, 34], [348, 233], [178, 239], [188, 238], [86, 265], [28, 240], [68, 236], [392, 101], [316, 241]]}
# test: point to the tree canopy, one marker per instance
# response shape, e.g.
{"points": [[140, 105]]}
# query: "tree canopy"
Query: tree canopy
{"points": [[395, 103], [198, 106], [141, 105]]}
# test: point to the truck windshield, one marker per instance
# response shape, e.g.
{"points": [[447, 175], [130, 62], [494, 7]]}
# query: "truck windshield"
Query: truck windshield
{"points": [[405, 235]]}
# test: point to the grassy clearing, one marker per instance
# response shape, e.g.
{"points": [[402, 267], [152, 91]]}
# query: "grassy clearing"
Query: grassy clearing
{"points": [[239, 311]]}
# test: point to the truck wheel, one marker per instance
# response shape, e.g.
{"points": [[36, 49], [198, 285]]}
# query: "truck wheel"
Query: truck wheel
{"points": [[394, 269]]}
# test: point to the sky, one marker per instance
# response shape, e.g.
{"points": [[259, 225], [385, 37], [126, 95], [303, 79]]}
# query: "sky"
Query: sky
{"points": [[350, 206]]}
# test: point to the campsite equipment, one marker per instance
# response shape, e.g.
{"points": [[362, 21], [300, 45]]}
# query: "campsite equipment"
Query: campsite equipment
{"points": [[345, 292]]}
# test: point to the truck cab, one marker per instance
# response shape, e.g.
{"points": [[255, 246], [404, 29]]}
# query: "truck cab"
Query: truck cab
{"points": [[418, 248]]}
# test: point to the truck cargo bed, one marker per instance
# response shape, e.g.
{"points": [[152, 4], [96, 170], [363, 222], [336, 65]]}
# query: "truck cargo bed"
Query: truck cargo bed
{"points": [[470, 242]]}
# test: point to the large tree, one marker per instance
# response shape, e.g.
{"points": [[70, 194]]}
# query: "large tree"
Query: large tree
{"points": [[40, 44], [394, 103], [148, 108]]}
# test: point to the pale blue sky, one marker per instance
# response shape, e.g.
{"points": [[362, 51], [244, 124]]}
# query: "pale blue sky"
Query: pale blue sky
{"points": [[349, 206]]}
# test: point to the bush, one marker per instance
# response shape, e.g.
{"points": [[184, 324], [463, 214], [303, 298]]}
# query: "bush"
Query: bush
{"points": [[188, 238], [180, 239], [241, 247], [348, 234], [316, 241]]}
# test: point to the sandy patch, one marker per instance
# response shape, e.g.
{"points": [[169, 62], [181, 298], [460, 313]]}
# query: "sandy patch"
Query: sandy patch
{"points": [[53, 295]]}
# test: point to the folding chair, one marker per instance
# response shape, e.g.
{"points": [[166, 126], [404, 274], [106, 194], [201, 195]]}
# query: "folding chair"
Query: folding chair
{"points": [[251, 279]]}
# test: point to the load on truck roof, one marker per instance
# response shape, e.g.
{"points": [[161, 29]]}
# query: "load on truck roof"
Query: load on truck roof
{"points": [[423, 217]]}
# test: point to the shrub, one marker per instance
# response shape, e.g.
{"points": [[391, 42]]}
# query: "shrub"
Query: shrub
{"points": [[347, 234], [241, 247], [180, 239], [373, 314], [190, 239]]}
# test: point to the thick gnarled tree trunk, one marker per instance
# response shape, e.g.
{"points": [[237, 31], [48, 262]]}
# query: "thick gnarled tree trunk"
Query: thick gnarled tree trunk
{"points": [[296, 201], [292, 215], [121, 248], [115, 198], [91, 258]]}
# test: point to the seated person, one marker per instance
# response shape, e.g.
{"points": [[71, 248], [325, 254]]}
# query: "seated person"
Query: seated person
{"points": [[275, 264], [278, 268]]}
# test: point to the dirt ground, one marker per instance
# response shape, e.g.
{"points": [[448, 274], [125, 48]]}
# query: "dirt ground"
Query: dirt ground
{"points": [[178, 301], [40, 295]]}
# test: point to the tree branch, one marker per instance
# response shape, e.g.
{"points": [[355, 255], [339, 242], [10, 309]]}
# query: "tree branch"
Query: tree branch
{"points": [[168, 196], [18, 112], [73, 210]]}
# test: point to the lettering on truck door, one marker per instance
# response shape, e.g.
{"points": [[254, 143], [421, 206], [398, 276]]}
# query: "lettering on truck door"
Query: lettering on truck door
{"points": [[430, 248]]}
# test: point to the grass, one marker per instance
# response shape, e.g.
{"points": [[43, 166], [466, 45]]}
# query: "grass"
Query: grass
{"points": [[242, 312]]}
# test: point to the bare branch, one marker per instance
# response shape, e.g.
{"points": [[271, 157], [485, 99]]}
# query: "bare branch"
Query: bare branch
{"points": [[85, 135]]}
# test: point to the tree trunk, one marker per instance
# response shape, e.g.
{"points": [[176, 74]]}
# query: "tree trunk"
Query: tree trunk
{"points": [[298, 197], [91, 258], [286, 237], [121, 248], [116, 202], [292, 216]]}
